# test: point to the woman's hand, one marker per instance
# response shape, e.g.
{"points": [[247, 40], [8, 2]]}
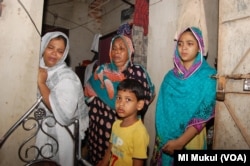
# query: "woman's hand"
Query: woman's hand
{"points": [[42, 76], [44, 90]]}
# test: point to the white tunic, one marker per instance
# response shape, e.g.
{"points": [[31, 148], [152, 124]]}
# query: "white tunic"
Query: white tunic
{"points": [[67, 104]]}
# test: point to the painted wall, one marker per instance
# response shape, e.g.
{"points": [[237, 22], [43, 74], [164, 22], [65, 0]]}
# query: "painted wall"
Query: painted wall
{"points": [[19, 45], [160, 51], [20, 42]]}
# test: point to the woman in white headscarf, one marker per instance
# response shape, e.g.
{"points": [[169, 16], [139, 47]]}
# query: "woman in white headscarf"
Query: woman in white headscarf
{"points": [[62, 97]]}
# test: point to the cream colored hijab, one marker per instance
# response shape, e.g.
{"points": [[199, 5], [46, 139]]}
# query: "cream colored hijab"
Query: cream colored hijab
{"points": [[45, 41]]}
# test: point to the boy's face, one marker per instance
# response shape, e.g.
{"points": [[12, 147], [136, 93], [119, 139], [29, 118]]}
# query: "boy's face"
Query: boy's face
{"points": [[127, 104]]}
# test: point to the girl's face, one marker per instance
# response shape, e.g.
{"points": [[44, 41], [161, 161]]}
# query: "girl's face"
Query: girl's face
{"points": [[119, 53], [53, 52], [188, 48]]}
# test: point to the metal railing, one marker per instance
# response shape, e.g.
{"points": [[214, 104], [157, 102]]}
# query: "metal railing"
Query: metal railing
{"points": [[28, 152]]}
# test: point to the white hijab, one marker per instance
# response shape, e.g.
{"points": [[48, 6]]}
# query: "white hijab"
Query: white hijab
{"points": [[45, 41], [66, 97]]}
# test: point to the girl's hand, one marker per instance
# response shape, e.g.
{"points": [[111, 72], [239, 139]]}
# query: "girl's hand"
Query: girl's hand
{"points": [[172, 145]]}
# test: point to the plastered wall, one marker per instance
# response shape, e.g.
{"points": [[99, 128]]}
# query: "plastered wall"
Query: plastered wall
{"points": [[19, 45]]}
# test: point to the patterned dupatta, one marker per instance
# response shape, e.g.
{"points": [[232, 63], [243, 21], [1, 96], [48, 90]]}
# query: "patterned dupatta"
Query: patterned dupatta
{"points": [[179, 70], [186, 98], [104, 81]]}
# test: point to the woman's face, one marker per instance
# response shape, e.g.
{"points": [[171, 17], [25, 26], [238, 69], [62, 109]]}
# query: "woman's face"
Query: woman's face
{"points": [[119, 53], [188, 48], [54, 52]]}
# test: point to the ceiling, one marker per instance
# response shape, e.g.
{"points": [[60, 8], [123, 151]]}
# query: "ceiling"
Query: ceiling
{"points": [[75, 13]]}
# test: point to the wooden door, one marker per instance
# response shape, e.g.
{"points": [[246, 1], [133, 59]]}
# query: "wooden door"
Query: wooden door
{"points": [[232, 117]]}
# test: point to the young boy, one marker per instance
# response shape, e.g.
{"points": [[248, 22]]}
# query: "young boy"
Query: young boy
{"points": [[129, 138]]}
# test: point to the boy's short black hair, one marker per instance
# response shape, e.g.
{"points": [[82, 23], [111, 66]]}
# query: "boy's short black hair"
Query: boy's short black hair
{"points": [[134, 86]]}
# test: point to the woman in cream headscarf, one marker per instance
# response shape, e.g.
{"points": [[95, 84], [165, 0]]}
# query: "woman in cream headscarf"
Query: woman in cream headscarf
{"points": [[62, 97], [101, 90]]}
